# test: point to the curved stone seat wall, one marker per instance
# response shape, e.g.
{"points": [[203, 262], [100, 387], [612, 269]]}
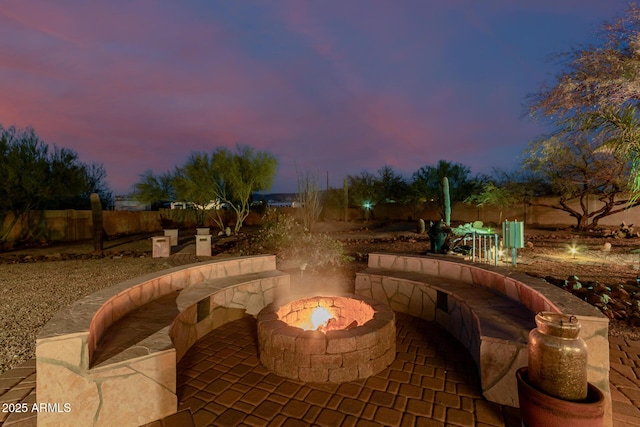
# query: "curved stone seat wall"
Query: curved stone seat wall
{"points": [[414, 284], [110, 394]]}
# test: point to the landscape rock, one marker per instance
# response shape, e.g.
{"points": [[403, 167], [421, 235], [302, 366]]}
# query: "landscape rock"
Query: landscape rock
{"points": [[620, 293]]}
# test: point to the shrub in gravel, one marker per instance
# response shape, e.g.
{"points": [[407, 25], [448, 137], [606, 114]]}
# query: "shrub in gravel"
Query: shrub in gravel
{"points": [[294, 246]]}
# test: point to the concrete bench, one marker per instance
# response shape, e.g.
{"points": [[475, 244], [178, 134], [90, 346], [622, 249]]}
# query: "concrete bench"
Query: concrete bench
{"points": [[488, 309], [106, 350]]}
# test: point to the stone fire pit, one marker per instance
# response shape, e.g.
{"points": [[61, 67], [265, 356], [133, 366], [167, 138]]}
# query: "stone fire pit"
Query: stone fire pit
{"points": [[359, 339]]}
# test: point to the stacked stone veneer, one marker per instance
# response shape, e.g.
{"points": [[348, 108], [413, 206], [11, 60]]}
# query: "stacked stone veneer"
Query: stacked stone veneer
{"points": [[142, 388], [223, 300], [413, 284], [335, 356]]}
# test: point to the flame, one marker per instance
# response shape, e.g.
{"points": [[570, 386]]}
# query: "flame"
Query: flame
{"points": [[320, 317]]}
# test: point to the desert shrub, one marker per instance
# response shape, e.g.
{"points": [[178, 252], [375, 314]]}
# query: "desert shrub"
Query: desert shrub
{"points": [[295, 246]]}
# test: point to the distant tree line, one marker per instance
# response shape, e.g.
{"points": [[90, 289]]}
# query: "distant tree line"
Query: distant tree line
{"points": [[587, 183], [367, 190], [35, 176]]}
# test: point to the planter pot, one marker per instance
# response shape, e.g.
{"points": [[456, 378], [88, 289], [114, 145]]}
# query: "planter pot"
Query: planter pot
{"points": [[540, 409]]}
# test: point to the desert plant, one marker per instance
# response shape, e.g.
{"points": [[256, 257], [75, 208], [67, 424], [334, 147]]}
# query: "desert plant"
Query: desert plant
{"points": [[96, 216], [345, 200], [293, 244], [242, 174], [309, 198], [447, 200], [427, 183]]}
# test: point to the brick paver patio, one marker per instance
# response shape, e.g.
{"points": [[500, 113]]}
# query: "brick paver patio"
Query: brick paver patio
{"points": [[433, 382], [221, 382]]}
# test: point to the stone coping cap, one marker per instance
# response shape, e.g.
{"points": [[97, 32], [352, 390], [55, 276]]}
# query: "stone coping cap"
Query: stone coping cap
{"points": [[194, 293], [77, 317], [498, 317], [564, 301]]}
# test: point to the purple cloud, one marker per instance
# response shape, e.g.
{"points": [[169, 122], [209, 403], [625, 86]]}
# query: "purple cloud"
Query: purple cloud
{"points": [[333, 87]]}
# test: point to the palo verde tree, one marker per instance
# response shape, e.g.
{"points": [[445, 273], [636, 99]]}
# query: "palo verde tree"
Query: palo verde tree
{"points": [[241, 174], [209, 180], [598, 92], [505, 189], [35, 176], [491, 194], [193, 182], [590, 183], [197, 182], [153, 189]]}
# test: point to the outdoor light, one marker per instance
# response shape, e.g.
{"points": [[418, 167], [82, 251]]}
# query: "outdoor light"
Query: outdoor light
{"points": [[573, 251], [367, 207]]}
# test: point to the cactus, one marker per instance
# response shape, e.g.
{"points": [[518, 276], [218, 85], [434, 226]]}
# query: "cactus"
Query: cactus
{"points": [[96, 216], [345, 199], [447, 200]]}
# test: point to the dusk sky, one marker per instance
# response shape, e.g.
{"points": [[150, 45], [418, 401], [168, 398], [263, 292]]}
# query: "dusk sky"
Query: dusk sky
{"points": [[333, 87]]}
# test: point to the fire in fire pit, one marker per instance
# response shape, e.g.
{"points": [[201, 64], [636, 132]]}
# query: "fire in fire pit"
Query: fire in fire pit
{"points": [[327, 338], [322, 314], [320, 318]]}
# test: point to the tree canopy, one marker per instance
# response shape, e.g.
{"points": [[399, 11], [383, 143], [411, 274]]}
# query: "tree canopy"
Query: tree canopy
{"points": [[152, 189], [367, 190], [35, 176], [392, 187], [362, 191], [222, 177], [241, 174], [578, 172], [197, 181], [598, 91]]}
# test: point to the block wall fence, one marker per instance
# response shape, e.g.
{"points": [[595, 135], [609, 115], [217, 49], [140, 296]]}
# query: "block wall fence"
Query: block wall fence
{"points": [[72, 225]]}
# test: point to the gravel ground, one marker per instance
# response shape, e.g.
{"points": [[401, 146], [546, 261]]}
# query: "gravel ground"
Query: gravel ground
{"points": [[31, 293]]}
